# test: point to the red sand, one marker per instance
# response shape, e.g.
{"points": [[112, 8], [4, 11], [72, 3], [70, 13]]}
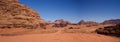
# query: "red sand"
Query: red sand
{"points": [[59, 37]]}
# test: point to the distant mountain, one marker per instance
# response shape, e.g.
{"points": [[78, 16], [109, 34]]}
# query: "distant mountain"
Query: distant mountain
{"points": [[111, 21], [81, 22], [90, 23], [61, 23]]}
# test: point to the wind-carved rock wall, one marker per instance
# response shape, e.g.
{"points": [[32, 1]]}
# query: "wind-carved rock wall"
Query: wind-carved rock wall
{"points": [[15, 15]]}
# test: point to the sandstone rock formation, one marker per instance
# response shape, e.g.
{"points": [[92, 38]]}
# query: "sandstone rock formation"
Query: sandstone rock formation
{"points": [[88, 23], [109, 30], [81, 22], [112, 21], [15, 15], [61, 23]]}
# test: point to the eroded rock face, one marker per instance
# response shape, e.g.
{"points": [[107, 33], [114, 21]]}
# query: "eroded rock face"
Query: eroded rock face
{"points": [[110, 30], [15, 15]]}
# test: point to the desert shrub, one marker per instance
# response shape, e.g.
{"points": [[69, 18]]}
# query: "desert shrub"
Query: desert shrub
{"points": [[70, 28]]}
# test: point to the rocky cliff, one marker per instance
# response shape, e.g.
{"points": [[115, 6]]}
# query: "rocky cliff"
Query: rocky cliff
{"points": [[15, 15]]}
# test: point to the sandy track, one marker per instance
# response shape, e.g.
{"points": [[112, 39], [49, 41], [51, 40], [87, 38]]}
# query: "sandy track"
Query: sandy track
{"points": [[59, 37]]}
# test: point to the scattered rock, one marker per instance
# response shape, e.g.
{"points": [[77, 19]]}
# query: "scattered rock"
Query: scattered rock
{"points": [[73, 28]]}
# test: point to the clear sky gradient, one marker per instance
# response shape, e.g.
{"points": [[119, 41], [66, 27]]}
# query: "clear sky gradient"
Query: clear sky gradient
{"points": [[75, 10]]}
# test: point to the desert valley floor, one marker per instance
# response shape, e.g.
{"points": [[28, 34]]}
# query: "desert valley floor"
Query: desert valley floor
{"points": [[60, 36]]}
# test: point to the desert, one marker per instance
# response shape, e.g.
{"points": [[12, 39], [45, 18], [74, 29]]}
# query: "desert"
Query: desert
{"points": [[20, 23]]}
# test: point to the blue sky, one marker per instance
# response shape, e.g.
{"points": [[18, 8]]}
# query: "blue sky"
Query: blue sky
{"points": [[75, 10]]}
